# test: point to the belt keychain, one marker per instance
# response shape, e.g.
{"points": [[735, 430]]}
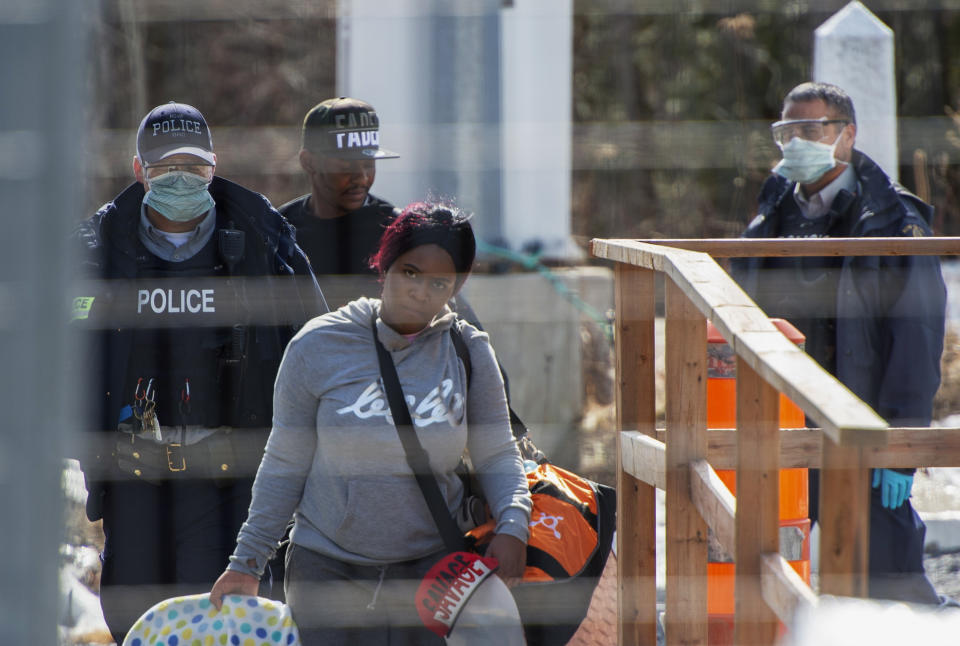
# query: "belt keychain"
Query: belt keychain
{"points": [[144, 408]]}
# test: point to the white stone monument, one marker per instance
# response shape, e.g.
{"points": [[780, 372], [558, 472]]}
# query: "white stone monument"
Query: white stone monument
{"points": [[854, 49]]}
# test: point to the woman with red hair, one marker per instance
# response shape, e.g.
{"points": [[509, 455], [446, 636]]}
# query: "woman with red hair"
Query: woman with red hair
{"points": [[363, 535]]}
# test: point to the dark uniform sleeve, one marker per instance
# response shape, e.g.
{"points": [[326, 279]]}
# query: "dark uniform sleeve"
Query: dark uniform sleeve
{"points": [[913, 336], [292, 260], [91, 447]]}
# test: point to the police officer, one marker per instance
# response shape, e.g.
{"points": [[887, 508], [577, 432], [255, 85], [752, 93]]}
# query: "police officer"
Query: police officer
{"points": [[186, 340], [339, 223], [876, 323]]}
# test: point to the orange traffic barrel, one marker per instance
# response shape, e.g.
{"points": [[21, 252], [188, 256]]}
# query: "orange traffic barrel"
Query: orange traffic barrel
{"points": [[794, 503]]}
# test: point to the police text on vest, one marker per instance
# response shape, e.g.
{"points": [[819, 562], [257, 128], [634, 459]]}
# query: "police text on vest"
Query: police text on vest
{"points": [[176, 301]]}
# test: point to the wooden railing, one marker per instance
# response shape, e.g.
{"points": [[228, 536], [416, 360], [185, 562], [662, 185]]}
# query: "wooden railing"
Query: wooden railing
{"points": [[850, 440]]}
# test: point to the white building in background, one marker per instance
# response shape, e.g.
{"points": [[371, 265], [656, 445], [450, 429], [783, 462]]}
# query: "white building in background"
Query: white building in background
{"points": [[477, 99]]}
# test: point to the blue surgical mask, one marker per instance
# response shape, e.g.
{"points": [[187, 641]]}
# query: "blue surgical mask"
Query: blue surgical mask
{"points": [[806, 161], [179, 196]]}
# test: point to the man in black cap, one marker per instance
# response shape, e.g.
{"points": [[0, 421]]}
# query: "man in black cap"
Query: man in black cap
{"points": [[339, 223], [192, 299]]}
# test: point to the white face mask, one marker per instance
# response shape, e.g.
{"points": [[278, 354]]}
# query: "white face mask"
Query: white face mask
{"points": [[806, 161], [179, 196]]}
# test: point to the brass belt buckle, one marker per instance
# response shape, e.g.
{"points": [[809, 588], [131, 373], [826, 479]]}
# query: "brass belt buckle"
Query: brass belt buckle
{"points": [[173, 456]]}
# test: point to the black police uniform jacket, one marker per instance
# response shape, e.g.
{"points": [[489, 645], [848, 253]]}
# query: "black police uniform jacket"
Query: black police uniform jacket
{"points": [[889, 309], [109, 248]]}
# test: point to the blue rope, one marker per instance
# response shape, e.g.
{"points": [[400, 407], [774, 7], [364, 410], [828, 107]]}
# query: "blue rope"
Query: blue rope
{"points": [[532, 262]]}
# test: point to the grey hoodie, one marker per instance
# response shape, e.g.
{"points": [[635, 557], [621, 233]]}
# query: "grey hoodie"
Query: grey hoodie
{"points": [[334, 460]]}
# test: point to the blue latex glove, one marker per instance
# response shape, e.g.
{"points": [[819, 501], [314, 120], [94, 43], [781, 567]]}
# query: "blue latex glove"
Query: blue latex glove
{"points": [[894, 487]]}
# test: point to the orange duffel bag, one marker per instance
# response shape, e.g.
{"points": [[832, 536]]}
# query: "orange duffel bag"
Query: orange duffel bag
{"points": [[571, 534]]}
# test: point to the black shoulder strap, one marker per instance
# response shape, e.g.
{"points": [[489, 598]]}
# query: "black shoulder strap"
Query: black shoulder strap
{"points": [[417, 458], [462, 350], [516, 424]]}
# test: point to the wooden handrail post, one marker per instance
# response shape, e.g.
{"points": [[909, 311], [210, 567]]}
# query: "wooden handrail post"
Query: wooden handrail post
{"points": [[686, 413], [696, 287], [758, 518], [844, 520], [636, 500]]}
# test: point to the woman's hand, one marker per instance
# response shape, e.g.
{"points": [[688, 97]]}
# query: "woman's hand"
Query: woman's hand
{"points": [[511, 552], [233, 582]]}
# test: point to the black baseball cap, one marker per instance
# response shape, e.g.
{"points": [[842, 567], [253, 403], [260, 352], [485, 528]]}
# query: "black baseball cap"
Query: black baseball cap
{"points": [[172, 129], [346, 128]]}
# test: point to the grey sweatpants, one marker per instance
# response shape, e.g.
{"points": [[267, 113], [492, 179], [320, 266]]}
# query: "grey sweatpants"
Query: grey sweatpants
{"points": [[339, 604]]}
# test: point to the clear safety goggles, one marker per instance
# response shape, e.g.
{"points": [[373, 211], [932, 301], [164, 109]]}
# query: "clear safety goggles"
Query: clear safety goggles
{"points": [[809, 129], [202, 170]]}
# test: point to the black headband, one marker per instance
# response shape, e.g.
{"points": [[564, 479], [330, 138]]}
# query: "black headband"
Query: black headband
{"points": [[458, 242]]}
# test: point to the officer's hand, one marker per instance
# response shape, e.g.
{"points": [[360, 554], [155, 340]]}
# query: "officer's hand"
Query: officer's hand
{"points": [[511, 552], [894, 487], [233, 582]]}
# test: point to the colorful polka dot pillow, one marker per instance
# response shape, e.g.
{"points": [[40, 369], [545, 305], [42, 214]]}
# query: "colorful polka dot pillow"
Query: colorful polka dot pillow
{"points": [[193, 621]]}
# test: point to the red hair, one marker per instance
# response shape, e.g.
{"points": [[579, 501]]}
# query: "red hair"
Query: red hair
{"points": [[423, 223]]}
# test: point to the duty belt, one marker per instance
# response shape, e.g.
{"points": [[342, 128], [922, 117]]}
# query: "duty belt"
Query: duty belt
{"points": [[221, 456]]}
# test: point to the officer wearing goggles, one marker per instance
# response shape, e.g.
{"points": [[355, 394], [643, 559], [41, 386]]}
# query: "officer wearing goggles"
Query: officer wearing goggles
{"points": [[815, 149], [876, 323], [808, 129]]}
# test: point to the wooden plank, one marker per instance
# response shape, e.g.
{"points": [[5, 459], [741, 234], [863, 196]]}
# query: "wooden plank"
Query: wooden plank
{"points": [[838, 412], [798, 448], [713, 290], [757, 340], [635, 348], [715, 503], [792, 247], [636, 501], [732, 320], [699, 273], [763, 341], [644, 458], [844, 521], [842, 416], [702, 280], [612, 248], [758, 481], [629, 252], [906, 448], [783, 590], [686, 532], [916, 447]]}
